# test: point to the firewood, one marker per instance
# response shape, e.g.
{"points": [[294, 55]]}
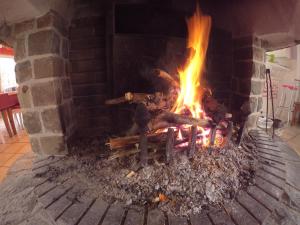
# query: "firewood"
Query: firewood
{"points": [[121, 142], [171, 119], [130, 97], [213, 133], [170, 145], [143, 146], [167, 77], [192, 142]]}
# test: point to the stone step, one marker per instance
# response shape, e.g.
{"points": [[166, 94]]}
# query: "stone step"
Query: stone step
{"points": [[89, 89], [88, 66], [88, 77], [83, 54], [87, 43]]}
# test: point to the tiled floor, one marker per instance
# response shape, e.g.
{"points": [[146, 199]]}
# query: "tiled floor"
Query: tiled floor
{"points": [[291, 135], [11, 148]]}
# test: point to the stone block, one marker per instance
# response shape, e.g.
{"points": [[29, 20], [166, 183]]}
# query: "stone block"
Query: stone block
{"points": [[23, 72], [262, 72], [42, 42], [20, 49], [53, 145], [256, 87], [48, 67], [65, 115], [65, 48], [24, 96], [259, 104], [23, 27], [253, 104], [244, 86], [46, 93], [52, 19], [35, 144], [51, 119], [66, 88], [258, 54], [251, 120], [32, 122], [58, 91]]}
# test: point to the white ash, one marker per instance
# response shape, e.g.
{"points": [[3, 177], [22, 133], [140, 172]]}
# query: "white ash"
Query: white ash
{"points": [[189, 186]]}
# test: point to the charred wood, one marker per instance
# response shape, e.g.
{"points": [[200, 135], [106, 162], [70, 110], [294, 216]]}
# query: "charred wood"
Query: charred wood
{"points": [[131, 98], [192, 142], [167, 77], [170, 145], [121, 142]]}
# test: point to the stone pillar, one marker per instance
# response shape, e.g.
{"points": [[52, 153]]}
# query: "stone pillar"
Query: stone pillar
{"points": [[249, 75], [45, 94]]}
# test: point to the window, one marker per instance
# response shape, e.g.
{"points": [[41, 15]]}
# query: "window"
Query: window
{"points": [[7, 74]]}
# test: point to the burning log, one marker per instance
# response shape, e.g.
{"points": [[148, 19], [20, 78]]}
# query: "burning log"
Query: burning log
{"points": [[192, 142], [168, 119], [170, 145], [164, 75]]}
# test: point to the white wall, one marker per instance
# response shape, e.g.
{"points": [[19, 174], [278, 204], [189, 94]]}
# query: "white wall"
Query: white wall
{"points": [[284, 71]]}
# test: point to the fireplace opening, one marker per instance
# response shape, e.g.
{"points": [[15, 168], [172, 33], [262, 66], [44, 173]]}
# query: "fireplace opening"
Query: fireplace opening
{"points": [[158, 112], [176, 137]]}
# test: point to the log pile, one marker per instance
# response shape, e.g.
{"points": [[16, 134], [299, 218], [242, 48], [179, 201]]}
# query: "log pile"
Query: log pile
{"points": [[155, 124]]}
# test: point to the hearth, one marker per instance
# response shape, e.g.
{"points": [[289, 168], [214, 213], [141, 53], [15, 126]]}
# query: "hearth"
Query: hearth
{"points": [[181, 151]]}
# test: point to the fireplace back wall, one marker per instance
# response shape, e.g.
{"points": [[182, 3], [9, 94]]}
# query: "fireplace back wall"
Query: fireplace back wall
{"points": [[142, 42]]}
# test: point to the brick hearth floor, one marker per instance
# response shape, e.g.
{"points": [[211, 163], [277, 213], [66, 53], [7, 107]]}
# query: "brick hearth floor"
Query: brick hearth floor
{"points": [[11, 148], [291, 135], [29, 198]]}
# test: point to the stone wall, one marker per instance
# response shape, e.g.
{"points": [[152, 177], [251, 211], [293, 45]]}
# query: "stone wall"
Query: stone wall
{"points": [[45, 92], [249, 74]]}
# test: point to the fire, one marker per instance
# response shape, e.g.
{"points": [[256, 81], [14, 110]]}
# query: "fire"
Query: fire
{"points": [[190, 93], [190, 76]]}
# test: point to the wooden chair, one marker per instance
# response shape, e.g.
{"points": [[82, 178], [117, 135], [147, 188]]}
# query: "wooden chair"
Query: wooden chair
{"points": [[6, 105], [16, 109]]}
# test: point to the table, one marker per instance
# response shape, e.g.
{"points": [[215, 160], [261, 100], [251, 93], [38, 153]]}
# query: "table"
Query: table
{"points": [[7, 102]]}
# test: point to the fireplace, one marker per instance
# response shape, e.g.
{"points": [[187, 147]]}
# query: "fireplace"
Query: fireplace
{"points": [[151, 105]]}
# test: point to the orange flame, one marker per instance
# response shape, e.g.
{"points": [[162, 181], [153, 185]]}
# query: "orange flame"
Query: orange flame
{"points": [[190, 76]]}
